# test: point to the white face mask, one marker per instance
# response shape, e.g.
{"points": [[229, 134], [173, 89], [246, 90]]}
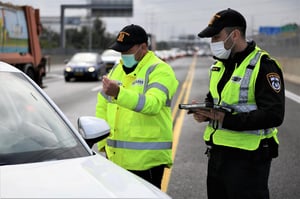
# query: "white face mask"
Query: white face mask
{"points": [[218, 49]]}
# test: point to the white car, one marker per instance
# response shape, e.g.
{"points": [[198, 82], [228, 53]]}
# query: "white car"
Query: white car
{"points": [[110, 58], [43, 156]]}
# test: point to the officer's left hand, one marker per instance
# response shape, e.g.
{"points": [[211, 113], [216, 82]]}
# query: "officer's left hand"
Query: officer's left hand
{"points": [[110, 87], [213, 114]]}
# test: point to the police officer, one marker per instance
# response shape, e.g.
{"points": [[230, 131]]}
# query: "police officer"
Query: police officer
{"points": [[136, 102], [242, 142]]}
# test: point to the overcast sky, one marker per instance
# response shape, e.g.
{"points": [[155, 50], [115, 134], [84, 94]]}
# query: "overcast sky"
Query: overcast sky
{"points": [[167, 18]]}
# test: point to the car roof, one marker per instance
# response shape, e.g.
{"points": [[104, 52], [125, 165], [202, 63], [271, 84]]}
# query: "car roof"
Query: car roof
{"points": [[111, 51], [5, 67]]}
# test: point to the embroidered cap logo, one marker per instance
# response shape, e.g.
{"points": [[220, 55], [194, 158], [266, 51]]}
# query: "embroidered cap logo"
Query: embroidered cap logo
{"points": [[122, 35], [215, 17]]}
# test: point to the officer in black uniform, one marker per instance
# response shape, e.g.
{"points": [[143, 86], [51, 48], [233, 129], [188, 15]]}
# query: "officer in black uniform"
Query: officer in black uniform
{"points": [[235, 173]]}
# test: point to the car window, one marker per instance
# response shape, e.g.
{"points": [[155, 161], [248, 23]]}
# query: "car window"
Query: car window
{"points": [[30, 128]]}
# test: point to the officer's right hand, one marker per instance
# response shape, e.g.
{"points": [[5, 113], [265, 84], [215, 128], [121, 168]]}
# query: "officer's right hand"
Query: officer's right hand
{"points": [[197, 116], [110, 87]]}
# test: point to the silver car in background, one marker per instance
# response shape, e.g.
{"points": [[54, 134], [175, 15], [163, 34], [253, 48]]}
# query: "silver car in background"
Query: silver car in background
{"points": [[43, 156], [110, 58]]}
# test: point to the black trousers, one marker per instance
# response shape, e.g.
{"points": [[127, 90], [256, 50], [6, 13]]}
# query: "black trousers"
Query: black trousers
{"points": [[238, 174], [153, 175]]}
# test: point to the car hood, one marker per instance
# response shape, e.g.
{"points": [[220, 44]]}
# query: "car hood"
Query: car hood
{"points": [[88, 177]]}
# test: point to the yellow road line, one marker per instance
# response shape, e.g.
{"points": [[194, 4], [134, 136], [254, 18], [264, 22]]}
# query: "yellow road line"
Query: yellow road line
{"points": [[182, 98]]}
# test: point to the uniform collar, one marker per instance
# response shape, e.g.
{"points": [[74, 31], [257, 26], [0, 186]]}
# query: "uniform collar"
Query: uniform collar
{"points": [[239, 57]]}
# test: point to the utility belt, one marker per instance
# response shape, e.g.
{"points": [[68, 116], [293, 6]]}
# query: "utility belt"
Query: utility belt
{"points": [[268, 146]]}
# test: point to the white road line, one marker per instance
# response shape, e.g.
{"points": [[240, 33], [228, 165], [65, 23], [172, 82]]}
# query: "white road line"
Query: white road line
{"points": [[292, 96]]}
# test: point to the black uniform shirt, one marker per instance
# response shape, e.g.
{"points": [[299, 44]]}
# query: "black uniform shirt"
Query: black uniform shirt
{"points": [[269, 95]]}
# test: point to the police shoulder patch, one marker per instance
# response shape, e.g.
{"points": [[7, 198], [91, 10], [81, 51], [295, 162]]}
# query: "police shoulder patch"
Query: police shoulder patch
{"points": [[274, 81]]}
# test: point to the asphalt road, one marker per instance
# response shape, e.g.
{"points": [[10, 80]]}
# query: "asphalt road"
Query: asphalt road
{"points": [[187, 177]]}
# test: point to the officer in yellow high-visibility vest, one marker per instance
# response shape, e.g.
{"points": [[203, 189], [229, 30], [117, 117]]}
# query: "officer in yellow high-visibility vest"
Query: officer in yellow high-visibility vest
{"points": [[242, 142], [136, 102]]}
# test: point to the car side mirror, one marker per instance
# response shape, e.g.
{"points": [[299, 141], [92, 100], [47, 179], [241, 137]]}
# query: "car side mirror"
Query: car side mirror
{"points": [[92, 129]]}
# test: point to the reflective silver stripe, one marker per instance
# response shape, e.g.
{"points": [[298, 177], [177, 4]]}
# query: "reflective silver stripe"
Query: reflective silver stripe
{"points": [[162, 88], [139, 145], [159, 86], [241, 107], [141, 103], [243, 97], [150, 69], [269, 131], [260, 132], [108, 98], [255, 132], [142, 99], [168, 102], [255, 59]]}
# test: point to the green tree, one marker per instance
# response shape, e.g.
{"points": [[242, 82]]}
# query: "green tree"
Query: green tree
{"points": [[49, 38], [101, 39], [77, 39], [80, 39]]}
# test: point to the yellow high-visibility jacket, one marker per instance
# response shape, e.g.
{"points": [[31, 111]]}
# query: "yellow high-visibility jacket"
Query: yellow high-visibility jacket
{"points": [[140, 118]]}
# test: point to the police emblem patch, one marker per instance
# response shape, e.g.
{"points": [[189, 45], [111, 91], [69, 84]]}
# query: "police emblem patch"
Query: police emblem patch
{"points": [[274, 81]]}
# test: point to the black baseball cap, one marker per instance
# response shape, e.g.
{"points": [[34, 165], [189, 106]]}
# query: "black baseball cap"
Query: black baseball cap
{"points": [[222, 19], [129, 36]]}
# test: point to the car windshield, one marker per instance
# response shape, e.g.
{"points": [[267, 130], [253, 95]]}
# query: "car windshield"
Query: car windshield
{"points": [[84, 57], [30, 128]]}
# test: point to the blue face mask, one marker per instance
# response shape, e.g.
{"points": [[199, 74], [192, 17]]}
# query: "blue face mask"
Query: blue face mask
{"points": [[129, 59]]}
